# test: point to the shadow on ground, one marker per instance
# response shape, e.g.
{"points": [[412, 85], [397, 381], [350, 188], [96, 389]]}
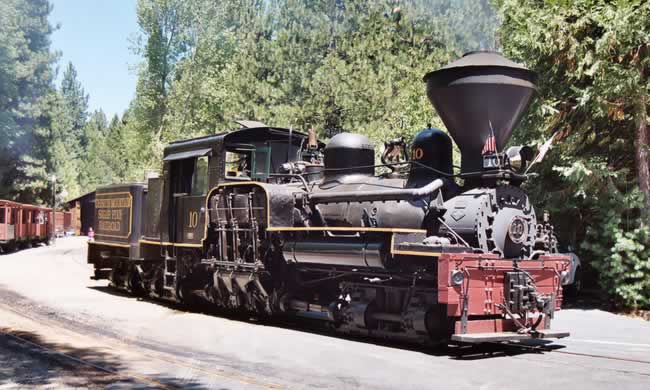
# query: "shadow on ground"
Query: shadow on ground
{"points": [[587, 300], [7, 250], [26, 360], [463, 352]]}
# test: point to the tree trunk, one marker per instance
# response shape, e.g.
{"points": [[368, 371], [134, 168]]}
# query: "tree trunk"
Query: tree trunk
{"points": [[642, 136], [642, 152]]}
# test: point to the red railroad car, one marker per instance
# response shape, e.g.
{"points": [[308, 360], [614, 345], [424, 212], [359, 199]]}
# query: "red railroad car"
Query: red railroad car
{"points": [[63, 223], [22, 225]]}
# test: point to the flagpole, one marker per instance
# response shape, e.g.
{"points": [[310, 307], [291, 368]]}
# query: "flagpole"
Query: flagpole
{"points": [[542, 152]]}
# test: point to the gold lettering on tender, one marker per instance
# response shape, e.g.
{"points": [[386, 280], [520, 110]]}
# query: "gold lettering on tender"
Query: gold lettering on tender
{"points": [[111, 211], [113, 203], [110, 226]]}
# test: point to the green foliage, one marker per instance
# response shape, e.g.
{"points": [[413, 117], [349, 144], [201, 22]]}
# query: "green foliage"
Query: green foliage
{"points": [[592, 62], [63, 150], [25, 79], [76, 102], [45, 131], [356, 66], [344, 65], [624, 271]]}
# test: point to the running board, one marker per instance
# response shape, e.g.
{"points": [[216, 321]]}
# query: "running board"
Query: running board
{"points": [[474, 338]]}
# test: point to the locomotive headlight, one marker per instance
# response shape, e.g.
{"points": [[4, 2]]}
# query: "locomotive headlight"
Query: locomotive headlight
{"points": [[456, 277], [519, 157]]}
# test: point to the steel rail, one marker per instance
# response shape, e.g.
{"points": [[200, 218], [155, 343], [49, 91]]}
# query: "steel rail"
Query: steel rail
{"points": [[603, 357], [545, 348]]}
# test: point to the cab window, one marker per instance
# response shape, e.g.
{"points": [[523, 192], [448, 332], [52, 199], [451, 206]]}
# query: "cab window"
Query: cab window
{"points": [[238, 164], [182, 174], [25, 217], [262, 162], [3, 214], [200, 177]]}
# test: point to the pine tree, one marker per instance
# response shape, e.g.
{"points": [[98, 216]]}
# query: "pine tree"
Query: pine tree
{"points": [[592, 60], [64, 153], [25, 82], [165, 25], [98, 167], [76, 101]]}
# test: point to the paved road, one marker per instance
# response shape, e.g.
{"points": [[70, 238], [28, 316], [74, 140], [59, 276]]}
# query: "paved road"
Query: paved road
{"points": [[46, 295]]}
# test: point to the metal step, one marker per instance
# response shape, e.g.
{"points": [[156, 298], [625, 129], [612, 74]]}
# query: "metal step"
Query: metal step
{"points": [[508, 336], [169, 278]]}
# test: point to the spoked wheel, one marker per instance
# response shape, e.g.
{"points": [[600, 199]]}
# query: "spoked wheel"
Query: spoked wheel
{"points": [[134, 283], [184, 295], [113, 278]]}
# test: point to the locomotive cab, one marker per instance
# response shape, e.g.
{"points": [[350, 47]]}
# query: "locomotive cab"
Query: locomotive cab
{"points": [[192, 167]]}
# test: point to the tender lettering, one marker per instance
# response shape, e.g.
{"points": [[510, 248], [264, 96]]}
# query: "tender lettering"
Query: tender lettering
{"points": [[113, 213]]}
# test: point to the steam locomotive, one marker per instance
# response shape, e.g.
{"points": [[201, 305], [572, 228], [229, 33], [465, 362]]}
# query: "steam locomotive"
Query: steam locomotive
{"points": [[271, 221]]}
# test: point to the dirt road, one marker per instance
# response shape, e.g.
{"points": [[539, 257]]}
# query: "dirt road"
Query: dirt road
{"points": [[84, 334]]}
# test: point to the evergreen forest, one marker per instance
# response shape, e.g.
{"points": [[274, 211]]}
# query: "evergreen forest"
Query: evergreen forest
{"points": [[356, 66]]}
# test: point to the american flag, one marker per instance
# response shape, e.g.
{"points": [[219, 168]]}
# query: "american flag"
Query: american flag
{"points": [[542, 151], [491, 143]]}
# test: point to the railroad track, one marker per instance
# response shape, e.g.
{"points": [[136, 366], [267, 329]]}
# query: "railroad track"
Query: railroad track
{"points": [[545, 348], [198, 370], [473, 350], [215, 373]]}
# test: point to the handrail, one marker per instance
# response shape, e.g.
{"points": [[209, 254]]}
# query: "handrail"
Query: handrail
{"points": [[377, 196]]}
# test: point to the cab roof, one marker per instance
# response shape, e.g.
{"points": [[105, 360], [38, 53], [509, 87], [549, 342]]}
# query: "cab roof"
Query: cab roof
{"points": [[237, 136]]}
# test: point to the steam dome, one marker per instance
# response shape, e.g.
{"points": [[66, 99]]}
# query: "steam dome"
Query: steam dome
{"points": [[349, 153]]}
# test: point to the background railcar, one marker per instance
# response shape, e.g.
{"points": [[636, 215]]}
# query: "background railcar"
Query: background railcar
{"points": [[8, 211], [23, 225], [63, 223]]}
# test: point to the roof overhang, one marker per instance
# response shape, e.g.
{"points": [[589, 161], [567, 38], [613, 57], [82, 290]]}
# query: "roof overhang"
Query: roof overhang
{"points": [[188, 154]]}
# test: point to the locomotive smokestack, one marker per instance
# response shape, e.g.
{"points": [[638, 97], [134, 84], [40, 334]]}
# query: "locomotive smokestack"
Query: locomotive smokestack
{"points": [[477, 90]]}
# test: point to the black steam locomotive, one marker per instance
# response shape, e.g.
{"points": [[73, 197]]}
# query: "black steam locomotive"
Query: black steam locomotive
{"points": [[273, 222]]}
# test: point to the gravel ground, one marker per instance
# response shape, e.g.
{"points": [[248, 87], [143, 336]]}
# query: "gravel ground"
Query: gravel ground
{"points": [[46, 294], [27, 361]]}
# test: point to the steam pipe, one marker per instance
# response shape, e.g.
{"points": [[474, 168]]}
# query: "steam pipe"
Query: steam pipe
{"points": [[377, 196]]}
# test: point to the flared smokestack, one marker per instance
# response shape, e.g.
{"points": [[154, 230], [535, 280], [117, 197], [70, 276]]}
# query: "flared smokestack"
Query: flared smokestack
{"points": [[477, 90]]}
